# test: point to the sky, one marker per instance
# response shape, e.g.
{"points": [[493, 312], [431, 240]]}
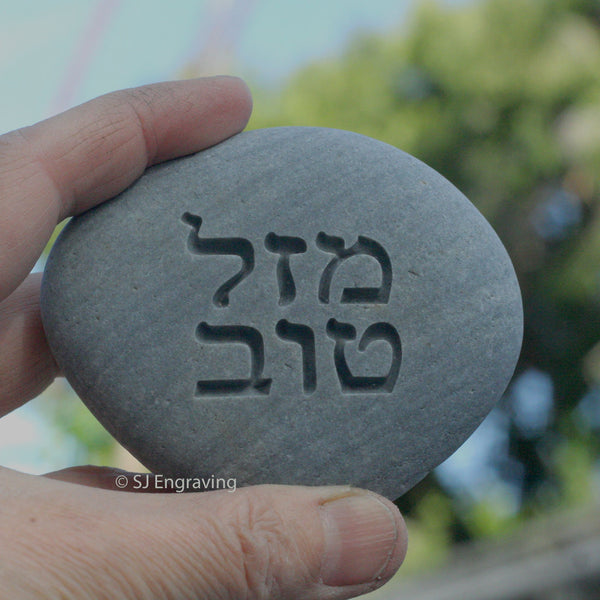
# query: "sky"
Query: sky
{"points": [[54, 55], [57, 54]]}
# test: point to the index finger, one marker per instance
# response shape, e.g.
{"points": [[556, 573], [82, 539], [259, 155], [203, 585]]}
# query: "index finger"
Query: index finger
{"points": [[71, 162]]}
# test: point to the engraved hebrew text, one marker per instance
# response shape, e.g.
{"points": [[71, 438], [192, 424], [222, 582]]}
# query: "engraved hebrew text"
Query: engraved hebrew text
{"points": [[239, 334], [225, 246], [345, 332], [305, 338], [301, 337], [366, 246], [285, 246]]}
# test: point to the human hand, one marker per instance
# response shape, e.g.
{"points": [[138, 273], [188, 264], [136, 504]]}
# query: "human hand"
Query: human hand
{"points": [[63, 540]]}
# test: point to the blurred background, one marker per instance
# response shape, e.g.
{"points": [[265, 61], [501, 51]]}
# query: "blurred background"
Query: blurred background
{"points": [[503, 98]]}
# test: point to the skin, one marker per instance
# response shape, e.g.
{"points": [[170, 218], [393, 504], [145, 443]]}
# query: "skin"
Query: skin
{"points": [[72, 534]]}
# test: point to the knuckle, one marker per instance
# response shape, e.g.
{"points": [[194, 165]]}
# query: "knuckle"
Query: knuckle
{"points": [[140, 105], [263, 546]]}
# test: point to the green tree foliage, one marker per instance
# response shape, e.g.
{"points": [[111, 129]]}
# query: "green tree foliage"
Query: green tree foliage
{"points": [[503, 98]]}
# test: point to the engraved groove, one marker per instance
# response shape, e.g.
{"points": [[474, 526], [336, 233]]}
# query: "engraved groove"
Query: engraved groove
{"points": [[363, 246], [341, 333], [237, 334], [220, 246], [304, 336], [285, 246]]}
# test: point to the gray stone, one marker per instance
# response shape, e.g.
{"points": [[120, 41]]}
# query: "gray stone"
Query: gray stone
{"points": [[294, 305]]}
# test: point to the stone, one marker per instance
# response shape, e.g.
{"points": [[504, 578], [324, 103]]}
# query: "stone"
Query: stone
{"points": [[294, 305]]}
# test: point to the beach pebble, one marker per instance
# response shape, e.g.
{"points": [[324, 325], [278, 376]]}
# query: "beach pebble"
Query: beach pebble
{"points": [[294, 305]]}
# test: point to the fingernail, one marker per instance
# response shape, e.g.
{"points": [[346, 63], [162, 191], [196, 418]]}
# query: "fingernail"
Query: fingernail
{"points": [[362, 539]]}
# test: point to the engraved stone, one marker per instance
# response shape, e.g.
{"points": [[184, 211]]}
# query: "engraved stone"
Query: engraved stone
{"points": [[293, 305]]}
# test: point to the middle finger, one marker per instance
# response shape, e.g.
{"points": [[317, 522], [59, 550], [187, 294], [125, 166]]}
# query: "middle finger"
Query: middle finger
{"points": [[27, 366]]}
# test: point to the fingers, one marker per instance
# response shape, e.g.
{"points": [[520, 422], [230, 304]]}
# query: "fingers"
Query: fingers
{"points": [[75, 160], [67, 164], [26, 364], [261, 542]]}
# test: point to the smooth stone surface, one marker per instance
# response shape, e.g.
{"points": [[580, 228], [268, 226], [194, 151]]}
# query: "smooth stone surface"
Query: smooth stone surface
{"points": [[294, 305]]}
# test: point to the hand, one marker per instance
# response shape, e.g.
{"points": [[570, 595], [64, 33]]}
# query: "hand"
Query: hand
{"points": [[63, 540]]}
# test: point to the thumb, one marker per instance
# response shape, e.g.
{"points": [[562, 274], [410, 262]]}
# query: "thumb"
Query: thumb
{"points": [[293, 542], [259, 542]]}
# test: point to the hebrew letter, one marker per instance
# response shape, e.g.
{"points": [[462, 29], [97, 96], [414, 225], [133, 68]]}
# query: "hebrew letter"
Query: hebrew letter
{"points": [[344, 332], [223, 334], [365, 246], [304, 336], [285, 246], [224, 246]]}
